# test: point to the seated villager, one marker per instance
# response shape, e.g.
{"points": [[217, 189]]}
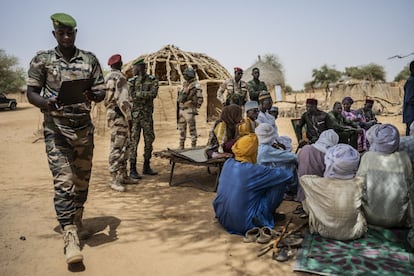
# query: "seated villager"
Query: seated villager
{"points": [[334, 201], [407, 144], [252, 111], [248, 194], [388, 179], [315, 122], [366, 115], [311, 159], [224, 132], [271, 155], [353, 116], [265, 104], [346, 129]]}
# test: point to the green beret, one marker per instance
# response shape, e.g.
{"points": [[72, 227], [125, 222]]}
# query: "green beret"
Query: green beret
{"points": [[139, 61], [63, 19]]}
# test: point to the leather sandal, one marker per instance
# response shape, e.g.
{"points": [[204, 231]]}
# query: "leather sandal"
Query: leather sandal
{"points": [[282, 255], [266, 235], [251, 235]]}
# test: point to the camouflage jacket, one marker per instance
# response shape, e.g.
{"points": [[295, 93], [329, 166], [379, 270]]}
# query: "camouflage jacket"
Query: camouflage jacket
{"points": [[117, 97], [48, 69], [190, 95], [255, 88], [236, 92], [142, 91]]}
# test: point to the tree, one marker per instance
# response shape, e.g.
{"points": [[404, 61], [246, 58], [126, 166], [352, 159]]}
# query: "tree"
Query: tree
{"points": [[404, 74], [12, 78], [325, 76], [273, 61], [371, 72]]}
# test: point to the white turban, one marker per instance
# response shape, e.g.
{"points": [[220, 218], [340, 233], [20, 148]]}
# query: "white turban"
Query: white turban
{"points": [[250, 105], [412, 129], [341, 161], [265, 133], [383, 138], [327, 139]]}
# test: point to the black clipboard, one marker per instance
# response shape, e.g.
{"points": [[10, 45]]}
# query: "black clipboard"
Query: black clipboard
{"points": [[71, 92]]}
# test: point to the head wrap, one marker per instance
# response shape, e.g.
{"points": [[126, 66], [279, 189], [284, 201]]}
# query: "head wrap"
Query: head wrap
{"points": [[114, 59], [312, 101], [250, 105], [238, 69], [245, 148], [347, 99], [412, 129], [367, 101], [63, 20], [274, 109], [231, 115], [265, 133], [383, 138], [327, 139], [341, 161], [264, 95], [243, 128]]}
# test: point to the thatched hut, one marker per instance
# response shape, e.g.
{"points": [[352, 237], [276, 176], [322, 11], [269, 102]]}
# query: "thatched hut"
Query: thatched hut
{"points": [[272, 76], [168, 64]]}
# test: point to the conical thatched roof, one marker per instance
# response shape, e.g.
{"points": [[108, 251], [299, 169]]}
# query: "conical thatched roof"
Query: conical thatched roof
{"points": [[269, 74], [168, 64]]}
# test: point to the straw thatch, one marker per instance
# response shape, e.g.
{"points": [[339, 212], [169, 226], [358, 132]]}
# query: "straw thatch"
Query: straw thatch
{"points": [[168, 64], [269, 74]]}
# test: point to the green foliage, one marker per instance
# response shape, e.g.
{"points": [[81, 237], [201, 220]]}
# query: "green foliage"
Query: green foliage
{"points": [[288, 89], [273, 61], [11, 77], [371, 72], [404, 74], [324, 76]]}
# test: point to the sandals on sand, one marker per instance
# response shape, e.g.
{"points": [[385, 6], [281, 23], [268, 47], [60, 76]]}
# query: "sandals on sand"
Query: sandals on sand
{"points": [[260, 235], [282, 255], [266, 235], [252, 235]]}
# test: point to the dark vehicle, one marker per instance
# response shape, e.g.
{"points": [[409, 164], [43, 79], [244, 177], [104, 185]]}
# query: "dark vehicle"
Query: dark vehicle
{"points": [[7, 103]]}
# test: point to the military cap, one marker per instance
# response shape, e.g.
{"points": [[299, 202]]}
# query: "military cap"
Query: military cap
{"points": [[63, 19], [138, 61], [114, 59], [238, 69], [312, 101]]}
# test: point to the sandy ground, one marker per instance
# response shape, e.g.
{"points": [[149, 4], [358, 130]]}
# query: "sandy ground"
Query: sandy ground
{"points": [[152, 229]]}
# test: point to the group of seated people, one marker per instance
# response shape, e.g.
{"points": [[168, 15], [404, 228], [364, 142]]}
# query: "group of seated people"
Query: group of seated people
{"points": [[349, 124], [342, 191]]}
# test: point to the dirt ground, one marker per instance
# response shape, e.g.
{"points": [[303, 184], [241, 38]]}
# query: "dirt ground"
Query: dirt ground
{"points": [[152, 229]]}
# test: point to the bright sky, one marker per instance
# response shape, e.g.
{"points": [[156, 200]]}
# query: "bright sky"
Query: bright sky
{"points": [[303, 34]]}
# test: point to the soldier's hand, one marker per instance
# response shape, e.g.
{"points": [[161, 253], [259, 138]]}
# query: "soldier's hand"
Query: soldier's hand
{"points": [[302, 143], [52, 104]]}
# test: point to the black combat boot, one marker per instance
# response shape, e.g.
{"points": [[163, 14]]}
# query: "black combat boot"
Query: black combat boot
{"points": [[133, 170], [147, 169]]}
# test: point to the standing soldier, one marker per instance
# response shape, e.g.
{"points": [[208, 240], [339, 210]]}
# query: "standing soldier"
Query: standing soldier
{"points": [[190, 98], [120, 123], [143, 89], [255, 86], [67, 126], [236, 90]]}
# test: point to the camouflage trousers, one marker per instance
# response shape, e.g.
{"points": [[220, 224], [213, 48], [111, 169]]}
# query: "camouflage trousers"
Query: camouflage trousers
{"points": [[187, 117], [118, 151], [145, 123], [69, 148]]}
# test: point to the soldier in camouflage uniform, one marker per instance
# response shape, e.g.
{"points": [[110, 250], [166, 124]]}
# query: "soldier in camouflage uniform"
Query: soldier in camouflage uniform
{"points": [[143, 89], [255, 86], [118, 111], [68, 129], [190, 98], [236, 90]]}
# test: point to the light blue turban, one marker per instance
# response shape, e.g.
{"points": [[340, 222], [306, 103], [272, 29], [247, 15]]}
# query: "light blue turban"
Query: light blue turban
{"points": [[341, 161], [383, 138]]}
